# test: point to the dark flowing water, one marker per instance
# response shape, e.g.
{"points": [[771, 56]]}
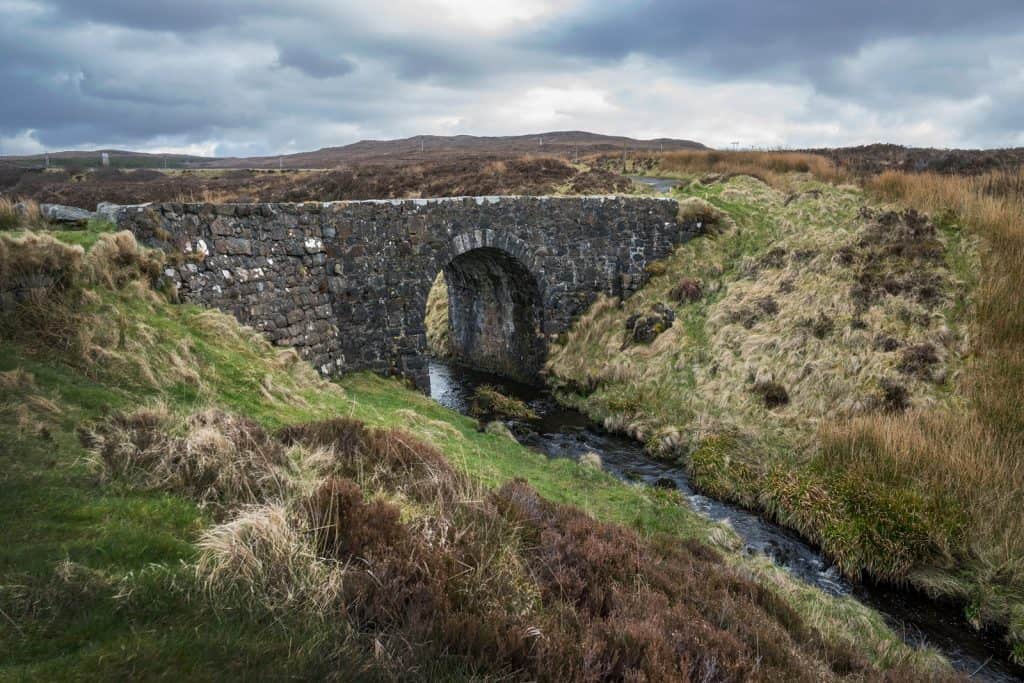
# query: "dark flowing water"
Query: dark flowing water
{"points": [[659, 184], [565, 433]]}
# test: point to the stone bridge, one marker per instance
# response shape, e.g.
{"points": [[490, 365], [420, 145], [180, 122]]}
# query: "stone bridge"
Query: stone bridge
{"points": [[346, 283]]}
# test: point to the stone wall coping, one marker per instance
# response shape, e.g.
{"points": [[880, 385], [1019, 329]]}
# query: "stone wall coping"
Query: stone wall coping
{"points": [[414, 201]]}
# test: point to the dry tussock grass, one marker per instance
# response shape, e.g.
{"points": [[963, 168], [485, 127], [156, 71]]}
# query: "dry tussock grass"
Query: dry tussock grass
{"points": [[117, 259], [261, 558], [34, 415], [971, 454], [380, 458], [438, 335], [771, 167], [23, 214], [785, 316], [219, 458], [205, 196]]}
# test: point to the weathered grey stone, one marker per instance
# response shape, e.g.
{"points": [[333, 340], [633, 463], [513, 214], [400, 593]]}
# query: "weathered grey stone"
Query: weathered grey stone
{"points": [[59, 213], [347, 282]]}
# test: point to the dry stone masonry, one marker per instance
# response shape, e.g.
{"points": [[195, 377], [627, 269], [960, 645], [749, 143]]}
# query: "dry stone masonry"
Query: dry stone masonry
{"points": [[346, 283]]}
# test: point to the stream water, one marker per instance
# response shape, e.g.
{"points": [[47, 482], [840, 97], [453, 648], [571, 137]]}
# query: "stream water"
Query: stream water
{"points": [[564, 433], [659, 184]]}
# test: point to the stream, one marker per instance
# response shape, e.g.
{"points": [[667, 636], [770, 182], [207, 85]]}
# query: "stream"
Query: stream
{"points": [[565, 433]]}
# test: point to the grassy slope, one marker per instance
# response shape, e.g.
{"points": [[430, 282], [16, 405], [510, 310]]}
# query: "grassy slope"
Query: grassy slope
{"points": [[887, 512], [96, 580]]}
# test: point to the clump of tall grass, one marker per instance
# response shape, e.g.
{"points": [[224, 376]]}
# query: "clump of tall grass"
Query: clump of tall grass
{"points": [[384, 457], [972, 454], [216, 458], [436, 322], [20, 215]]}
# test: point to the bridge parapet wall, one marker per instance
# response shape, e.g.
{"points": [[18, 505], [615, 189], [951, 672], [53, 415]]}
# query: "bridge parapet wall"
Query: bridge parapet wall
{"points": [[346, 283]]}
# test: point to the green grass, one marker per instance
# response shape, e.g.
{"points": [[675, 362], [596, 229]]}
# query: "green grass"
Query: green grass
{"points": [[689, 395], [84, 237], [96, 578]]}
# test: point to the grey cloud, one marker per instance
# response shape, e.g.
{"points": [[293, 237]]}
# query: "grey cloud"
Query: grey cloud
{"points": [[742, 37], [261, 76], [314, 63], [155, 15]]}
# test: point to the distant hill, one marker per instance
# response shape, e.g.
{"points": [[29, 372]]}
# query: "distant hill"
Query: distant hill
{"points": [[429, 147], [403, 151]]}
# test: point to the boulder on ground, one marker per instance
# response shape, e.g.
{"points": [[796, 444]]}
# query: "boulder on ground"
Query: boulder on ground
{"points": [[58, 213]]}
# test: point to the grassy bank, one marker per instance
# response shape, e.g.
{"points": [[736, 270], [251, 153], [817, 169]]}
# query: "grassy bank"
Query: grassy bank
{"points": [[159, 520], [854, 373]]}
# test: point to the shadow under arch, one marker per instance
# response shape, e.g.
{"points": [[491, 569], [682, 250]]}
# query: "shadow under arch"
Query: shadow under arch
{"points": [[495, 305]]}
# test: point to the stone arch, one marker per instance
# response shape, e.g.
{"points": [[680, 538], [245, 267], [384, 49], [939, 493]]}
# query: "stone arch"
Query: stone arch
{"points": [[495, 304]]}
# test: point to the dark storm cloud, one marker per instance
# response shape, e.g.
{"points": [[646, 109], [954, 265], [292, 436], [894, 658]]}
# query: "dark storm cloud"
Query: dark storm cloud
{"points": [[265, 76], [156, 15], [743, 37], [314, 63]]}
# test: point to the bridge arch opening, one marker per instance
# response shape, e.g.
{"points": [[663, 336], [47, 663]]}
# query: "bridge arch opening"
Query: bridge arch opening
{"points": [[494, 316]]}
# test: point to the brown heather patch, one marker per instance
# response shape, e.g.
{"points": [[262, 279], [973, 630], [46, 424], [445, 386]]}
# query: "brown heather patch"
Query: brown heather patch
{"points": [[344, 525], [687, 290], [512, 585]]}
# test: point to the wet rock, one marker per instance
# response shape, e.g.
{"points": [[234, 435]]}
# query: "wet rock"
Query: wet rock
{"points": [[782, 556], [665, 483], [645, 328]]}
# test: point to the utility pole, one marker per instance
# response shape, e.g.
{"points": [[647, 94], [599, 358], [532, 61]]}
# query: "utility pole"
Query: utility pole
{"points": [[623, 157], [280, 163], [47, 160], [421, 146]]}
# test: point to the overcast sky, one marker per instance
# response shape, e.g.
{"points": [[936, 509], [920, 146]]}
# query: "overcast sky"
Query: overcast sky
{"points": [[245, 77]]}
